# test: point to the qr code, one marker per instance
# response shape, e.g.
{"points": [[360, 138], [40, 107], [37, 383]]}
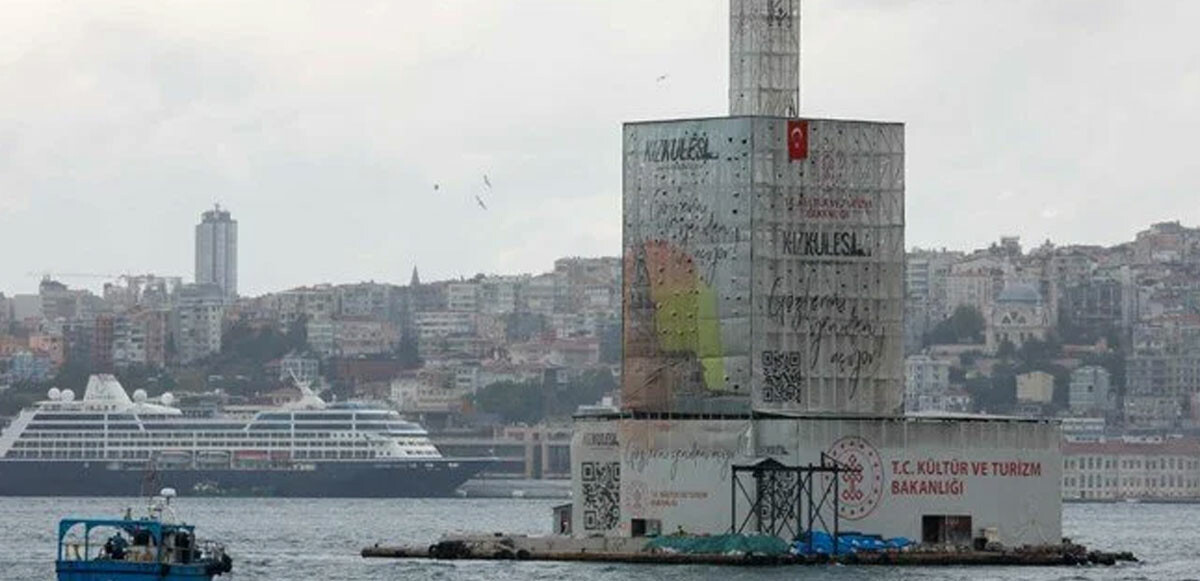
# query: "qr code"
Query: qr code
{"points": [[601, 495], [783, 374]]}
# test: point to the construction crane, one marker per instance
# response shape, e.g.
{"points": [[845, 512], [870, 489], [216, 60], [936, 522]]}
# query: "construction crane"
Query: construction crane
{"points": [[129, 279], [47, 275]]}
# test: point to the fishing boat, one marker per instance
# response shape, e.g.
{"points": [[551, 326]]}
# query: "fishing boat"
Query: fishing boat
{"points": [[157, 547]]}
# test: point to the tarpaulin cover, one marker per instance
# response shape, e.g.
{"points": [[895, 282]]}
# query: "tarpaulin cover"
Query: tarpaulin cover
{"points": [[822, 543], [720, 545]]}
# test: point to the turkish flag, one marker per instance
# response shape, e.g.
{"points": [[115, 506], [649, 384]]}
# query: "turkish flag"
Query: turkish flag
{"points": [[797, 138]]}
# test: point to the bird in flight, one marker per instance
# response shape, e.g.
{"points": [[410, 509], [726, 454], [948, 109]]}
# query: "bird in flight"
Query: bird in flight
{"points": [[660, 78], [436, 186], [479, 201]]}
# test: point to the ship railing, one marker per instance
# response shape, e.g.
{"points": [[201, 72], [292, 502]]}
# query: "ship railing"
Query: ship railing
{"points": [[207, 550]]}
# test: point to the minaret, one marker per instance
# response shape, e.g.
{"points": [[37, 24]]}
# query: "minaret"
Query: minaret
{"points": [[764, 57]]}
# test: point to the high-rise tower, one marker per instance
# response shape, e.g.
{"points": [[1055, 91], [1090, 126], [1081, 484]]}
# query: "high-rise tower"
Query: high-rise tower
{"points": [[216, 251]]}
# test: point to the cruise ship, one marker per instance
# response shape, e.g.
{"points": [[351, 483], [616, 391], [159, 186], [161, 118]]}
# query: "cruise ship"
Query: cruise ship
{"points": [[109, 444]]}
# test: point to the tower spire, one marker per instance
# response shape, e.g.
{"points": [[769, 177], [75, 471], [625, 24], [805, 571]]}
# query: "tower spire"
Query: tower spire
{"points": [[764, 57]]}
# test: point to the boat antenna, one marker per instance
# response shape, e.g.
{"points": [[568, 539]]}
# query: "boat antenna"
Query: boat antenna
{"points": [[308, 398]]}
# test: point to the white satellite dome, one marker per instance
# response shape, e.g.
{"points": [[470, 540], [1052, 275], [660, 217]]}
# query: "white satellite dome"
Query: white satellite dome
{"points": [[54, 394], [167, 398], [67, 395], [139, 395]]}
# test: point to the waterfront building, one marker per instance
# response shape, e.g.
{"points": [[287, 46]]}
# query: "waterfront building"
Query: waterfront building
{"points": [[1132, 468]]}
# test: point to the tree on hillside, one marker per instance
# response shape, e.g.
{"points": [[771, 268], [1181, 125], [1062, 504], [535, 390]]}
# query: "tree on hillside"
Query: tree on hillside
{"points": [[533, 401], [297, 332], [995, 394], [522, 326], [1034, 352], [513, 402], [965, 325], [610, 342], [408, 350], [245, 350], [1006, 351]]}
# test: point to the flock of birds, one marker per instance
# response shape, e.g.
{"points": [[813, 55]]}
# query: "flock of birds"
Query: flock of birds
{"points": [[487, 182]]}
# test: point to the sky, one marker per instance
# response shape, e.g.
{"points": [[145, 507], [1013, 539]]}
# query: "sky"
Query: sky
{"points": [[350, 139]]}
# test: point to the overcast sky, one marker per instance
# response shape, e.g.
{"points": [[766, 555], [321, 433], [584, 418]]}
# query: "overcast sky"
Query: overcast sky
{"points": [[323, 126]]}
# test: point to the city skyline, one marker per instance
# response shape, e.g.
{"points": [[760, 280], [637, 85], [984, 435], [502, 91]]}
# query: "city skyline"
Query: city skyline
{"points": [[1030, 126], [94, 282]]}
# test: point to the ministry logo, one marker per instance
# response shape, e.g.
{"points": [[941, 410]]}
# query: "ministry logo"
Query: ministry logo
{"points": [[860, 487]]}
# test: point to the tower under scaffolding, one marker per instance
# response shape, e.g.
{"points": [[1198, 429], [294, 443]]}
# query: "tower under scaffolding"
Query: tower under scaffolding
{"points": [[762, 374]]}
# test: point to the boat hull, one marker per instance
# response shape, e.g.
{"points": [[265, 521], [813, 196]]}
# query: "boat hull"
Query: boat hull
{"points": [[365, 479], [127, 571]]}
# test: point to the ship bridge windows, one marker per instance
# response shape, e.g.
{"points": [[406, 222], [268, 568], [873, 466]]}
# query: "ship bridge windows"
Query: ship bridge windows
{"points": [[270, 426], [68, 416], [327, 427], [206, 426], [305, 416], [69, 427], [378, 415], [391, 427]]}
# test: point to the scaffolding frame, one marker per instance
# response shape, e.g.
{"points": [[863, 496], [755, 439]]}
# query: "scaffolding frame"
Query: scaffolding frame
{"points": [[788, 500]]}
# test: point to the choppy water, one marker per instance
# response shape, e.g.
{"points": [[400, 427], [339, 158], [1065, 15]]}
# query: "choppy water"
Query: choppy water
{"points": [[320, 540]]}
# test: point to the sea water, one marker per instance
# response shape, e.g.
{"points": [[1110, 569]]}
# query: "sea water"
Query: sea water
{"points": [[310, 539]]}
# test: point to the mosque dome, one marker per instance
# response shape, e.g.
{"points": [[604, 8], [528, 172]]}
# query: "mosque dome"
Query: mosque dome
{"points": [[1019, 292]]}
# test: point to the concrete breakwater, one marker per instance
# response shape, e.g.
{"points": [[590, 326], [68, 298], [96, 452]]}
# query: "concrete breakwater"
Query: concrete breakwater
{"points": [[635, 550]]}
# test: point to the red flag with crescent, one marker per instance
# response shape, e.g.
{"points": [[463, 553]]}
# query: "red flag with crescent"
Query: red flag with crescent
{"points": [[797, 138]]}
